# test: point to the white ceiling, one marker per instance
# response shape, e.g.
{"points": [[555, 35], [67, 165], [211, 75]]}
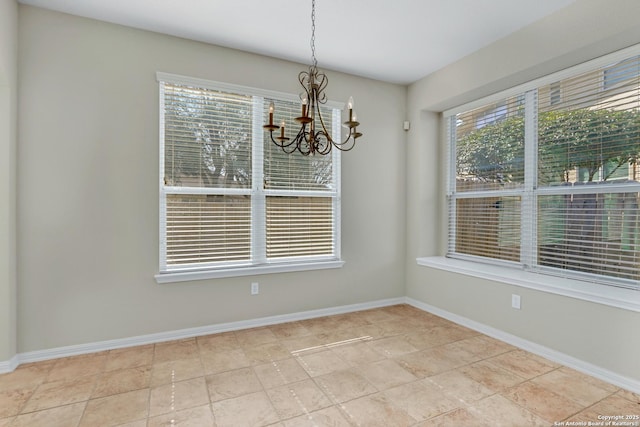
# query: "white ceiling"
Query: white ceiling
{"points": [[398, 41]]}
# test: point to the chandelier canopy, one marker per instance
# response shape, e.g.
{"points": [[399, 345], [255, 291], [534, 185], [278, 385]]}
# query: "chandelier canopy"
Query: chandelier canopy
{"points": [[310, 138]]}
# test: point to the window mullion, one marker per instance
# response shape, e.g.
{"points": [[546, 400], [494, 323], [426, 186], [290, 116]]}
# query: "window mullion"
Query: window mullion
{"points": [[337, 198], [258, 216], [451, 181], [161, 184], [528, 218]]}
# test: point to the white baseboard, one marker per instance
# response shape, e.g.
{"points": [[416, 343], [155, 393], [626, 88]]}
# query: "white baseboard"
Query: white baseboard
{"points": [[9, 365], [74, 350], [553, 355], [556, 356]]}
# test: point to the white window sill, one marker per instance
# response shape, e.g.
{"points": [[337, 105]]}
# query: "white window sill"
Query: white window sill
{"points": [[627, 299], [185, 276]]}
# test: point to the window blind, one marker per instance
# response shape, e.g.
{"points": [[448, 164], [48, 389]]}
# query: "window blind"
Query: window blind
{"points": [[490, 146], [299, 227], [301, 194], [546, 179], [488, 227], [207, 154], [588, 143], [489, 173], [207, 229], [207, 138]]}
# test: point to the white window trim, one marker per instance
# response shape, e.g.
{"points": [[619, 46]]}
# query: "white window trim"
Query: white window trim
{"points": [[627, 299], [248, 90], [259, 265], [249, 270]]}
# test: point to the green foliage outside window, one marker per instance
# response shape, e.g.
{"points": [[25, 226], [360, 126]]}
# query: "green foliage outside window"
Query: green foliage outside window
{"points": [[592, 141]]}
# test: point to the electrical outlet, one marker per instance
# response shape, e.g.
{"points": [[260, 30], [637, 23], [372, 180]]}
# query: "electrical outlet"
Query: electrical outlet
{"points": [[515, 301], [255, 288]]}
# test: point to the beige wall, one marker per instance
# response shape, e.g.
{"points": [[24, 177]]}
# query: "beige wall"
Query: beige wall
{"points": [[88, 185], [8, 146], [601, 335]]}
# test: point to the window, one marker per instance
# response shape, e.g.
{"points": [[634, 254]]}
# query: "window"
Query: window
{"points": [[552, 186], [231, 202]]}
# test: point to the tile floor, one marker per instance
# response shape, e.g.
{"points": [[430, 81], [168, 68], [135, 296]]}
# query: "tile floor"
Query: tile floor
{"points": [[393, 366]]}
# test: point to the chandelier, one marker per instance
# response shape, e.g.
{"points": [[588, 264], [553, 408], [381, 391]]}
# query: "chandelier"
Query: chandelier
{"points": [[312, 139]]}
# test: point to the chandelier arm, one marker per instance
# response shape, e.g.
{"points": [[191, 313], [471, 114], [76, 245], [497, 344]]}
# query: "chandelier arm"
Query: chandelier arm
{"points": [[348, 148], [302, 140], [280, 143], [339, 145], [328, 142], [349, 138], [297, 143], [291, 147], [324, 127]]}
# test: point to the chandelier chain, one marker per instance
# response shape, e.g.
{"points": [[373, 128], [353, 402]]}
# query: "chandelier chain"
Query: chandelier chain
{"points": [[313, 33]]}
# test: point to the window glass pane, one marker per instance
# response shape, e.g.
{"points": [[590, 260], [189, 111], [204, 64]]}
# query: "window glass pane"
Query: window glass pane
{"points": [[587, 145], [204, 229], [207, 138], [591, 137], [590, 233], [299, 226], [490, 146], [488, 227], [295, 171], [593, 134]]}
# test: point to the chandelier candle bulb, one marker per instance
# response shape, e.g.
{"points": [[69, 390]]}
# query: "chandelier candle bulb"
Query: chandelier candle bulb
{"points": [[282, 129], [271, 127], [271, 108]]}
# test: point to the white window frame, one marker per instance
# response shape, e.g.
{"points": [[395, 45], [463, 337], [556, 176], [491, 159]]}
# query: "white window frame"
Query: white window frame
{"points": [[522, 275], [258, 264]]}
